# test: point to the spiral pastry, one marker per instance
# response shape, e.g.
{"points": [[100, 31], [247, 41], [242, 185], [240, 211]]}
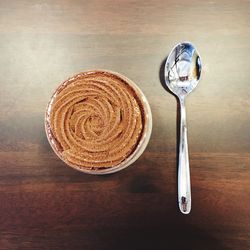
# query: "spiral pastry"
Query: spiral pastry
{"points": [[95, 120]]}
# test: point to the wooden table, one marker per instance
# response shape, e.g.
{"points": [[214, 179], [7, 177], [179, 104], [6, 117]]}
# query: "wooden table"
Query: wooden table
{"points": [[46, 205]]}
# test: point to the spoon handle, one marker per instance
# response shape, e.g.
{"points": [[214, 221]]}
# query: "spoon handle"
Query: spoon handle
{"points": [[184, 189]]}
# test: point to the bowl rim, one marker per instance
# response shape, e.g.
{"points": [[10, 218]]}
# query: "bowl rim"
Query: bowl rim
{"points": [[140, 148]]}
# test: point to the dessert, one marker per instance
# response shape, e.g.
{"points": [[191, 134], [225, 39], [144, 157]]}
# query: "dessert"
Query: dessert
{"points": [[95, 120]]}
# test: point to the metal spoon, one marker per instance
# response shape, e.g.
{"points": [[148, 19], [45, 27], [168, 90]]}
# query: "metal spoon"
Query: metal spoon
{"points": [[182, 74]]}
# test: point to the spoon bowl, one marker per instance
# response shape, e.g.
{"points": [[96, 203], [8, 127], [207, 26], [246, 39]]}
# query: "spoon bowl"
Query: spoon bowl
{"points": [[183, 69], [182, 74]]}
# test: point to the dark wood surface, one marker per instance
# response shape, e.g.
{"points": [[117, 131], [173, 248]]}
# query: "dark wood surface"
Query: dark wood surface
{"points": [[46, 205]]}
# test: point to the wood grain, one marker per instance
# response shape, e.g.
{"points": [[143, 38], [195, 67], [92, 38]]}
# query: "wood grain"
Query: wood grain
{"points": [[46, 205]]}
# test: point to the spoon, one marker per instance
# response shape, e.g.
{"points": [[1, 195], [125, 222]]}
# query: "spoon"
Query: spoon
{"points": [[182, 74]]}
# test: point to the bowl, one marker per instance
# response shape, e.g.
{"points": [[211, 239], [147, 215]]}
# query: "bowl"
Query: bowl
{"points": [[138, 150]]}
